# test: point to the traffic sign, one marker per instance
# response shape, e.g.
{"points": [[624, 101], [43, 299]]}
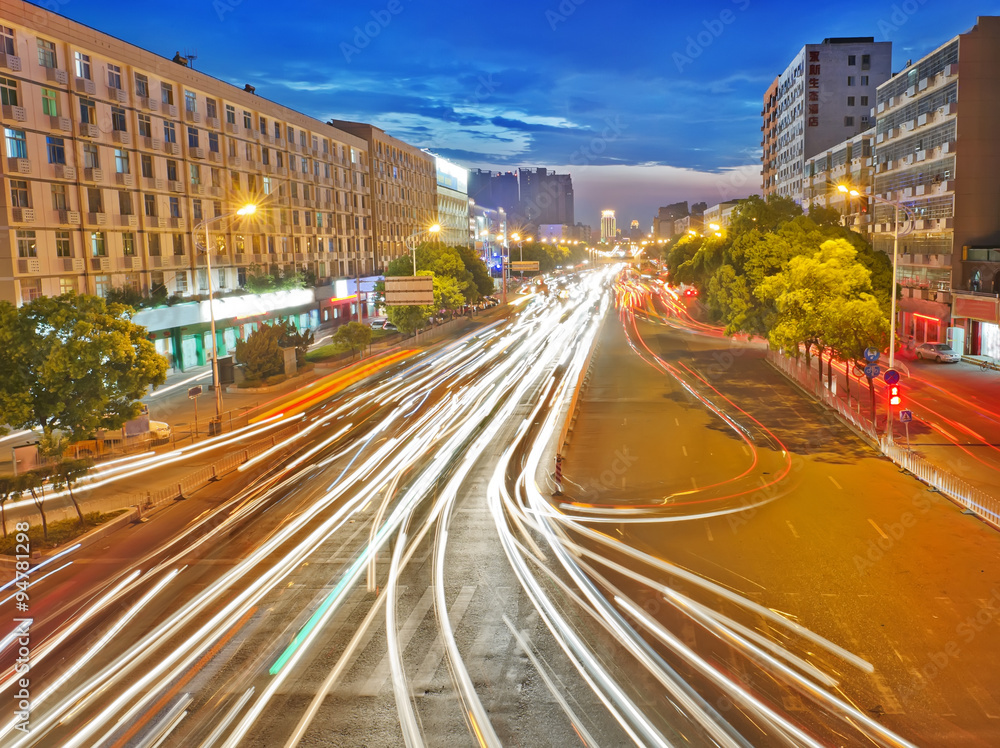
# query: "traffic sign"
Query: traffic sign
{"points": [[871, 355], [872, 370], [891, 376], [409, 290], [193, 392], [906, 416]]}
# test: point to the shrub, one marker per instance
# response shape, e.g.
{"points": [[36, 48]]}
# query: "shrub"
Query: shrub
{"points": [[60, 532]]}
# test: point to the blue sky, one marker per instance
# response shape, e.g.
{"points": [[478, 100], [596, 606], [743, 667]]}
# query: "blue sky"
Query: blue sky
{"points": [[645, 103]]}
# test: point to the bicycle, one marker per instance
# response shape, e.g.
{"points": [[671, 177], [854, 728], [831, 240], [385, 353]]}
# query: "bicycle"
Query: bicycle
{"points": [[985, 365]]}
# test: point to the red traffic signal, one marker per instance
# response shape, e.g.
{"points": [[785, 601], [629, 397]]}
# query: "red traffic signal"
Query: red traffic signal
{"points": [[895, 394]]}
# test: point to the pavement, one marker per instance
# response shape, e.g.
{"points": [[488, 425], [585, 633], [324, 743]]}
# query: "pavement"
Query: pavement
{"points": [[844, 544]]}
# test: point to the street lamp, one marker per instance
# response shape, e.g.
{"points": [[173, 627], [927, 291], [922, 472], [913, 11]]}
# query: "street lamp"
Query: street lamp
{"points": [[247, 210], [435, 229], [895, 255]]}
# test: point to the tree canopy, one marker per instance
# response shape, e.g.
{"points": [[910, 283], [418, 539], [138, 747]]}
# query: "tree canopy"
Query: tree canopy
{"points": [[74, 364]]}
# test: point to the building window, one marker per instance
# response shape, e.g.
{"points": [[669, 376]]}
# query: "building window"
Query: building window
{"points": [[17, 144], [81, 65], [121, 161], [852, 60], [195, 173], [19, 194], [302, 138], [31, 289], [50, 102], [230, 114], [247, 120], [191, 101], [153, 245], [26, 246], [291, 133], [64, 244], [864, 80], [167, 94], [169, 132], [46, 53], [8, 91], [88, 112], [141, 86], [98, 247], [262, 122], [118, 119], [850, 101], [59, 201], [171, 170], [149, 205], [95, 201], [192, 137], [56, 150], [265, 155], [211, 109], [864, 101], [850, 80], [280, 159], [864, 121], [866, 62], [102, 284], [213, 142], [178, 244], [248, 152], [67, 286], [125, 202], [196, 214], [277, 130], [848, 121], [145, 126], [146, 164], [175, 207], [91, 158], [114, 77], [235, 179], [181, 281]]}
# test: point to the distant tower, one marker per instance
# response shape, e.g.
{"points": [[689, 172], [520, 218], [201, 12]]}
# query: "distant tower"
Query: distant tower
{"points": [[634, 232], [609, 230]]}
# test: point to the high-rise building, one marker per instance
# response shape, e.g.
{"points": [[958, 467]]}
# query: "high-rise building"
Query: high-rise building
{"points": [[937, 150], [546, 197], [115, 155], [403, 180], [634, 232], [452, 203], [663, 224], [609, 229], [824, 97]]}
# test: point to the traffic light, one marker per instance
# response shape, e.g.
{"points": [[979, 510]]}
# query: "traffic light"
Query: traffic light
{"points": [[895, 395]]}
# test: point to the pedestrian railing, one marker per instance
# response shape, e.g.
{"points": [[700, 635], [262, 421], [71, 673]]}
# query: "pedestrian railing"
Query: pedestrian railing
{"points": [[961, 492]]}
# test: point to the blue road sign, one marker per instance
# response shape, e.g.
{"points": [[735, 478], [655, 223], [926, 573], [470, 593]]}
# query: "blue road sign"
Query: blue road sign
{"points": [[872, 371], [871, 355], [906, 416], [891, 376]]}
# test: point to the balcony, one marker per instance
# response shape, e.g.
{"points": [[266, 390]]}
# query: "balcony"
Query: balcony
{"points": [[170, 110], [212, 122], [175, 186], [88, 131], [130, 263], [151, 144]]}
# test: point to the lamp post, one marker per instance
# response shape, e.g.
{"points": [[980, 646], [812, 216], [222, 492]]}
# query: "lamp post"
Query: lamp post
{"points": [[895, 258], [435, 229], [247, 210]]}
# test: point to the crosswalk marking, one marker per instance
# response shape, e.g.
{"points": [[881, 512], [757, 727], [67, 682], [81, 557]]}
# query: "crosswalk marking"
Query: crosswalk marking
{"points": [[425, 673], [373, 685]]}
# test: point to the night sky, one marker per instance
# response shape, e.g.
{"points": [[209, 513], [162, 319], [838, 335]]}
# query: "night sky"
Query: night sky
{"points": [[644, 103]]}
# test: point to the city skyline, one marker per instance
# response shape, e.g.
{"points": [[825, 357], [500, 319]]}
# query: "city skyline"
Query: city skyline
{"points": [[541, 94]]}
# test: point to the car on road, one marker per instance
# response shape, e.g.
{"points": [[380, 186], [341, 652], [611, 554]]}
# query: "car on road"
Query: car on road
{"points": [[379, 324], [940, 352]]}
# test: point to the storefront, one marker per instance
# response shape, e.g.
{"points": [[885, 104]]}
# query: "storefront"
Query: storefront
{"points": [[183, 334], [978, 319]]}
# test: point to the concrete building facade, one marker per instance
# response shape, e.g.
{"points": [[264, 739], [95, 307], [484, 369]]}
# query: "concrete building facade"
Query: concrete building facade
{"points": [[452, 202], [609, 227], [823, 97], [848, 163]]}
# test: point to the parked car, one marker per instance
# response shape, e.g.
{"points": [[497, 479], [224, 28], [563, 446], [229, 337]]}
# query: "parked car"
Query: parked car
{"points": [[159, 430], [940, 352], [379, 324], [389, 327]]}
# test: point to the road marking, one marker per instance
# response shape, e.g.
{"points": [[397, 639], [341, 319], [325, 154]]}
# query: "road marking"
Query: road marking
{"points": [[684, 450], [890, 703], [694, 483], [792, 528], [709, 531], [431, 663], [834, 482], [985, 701], [677, 421], [373, 685], [878, 528]]}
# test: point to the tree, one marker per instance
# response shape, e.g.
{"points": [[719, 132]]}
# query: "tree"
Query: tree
{"points": [[300, 340], [74, 364], [33, 482], [258, 280], [854, 326], [68, 472], [353, 336], [8, 488], [260, 353], [477, 268], [408, 319]]}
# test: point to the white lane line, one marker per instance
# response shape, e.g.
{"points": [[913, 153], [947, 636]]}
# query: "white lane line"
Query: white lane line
{"points": [[878, 528], [684, 450], [709, 531], [677, 421], [792, 528], [834, 482]]}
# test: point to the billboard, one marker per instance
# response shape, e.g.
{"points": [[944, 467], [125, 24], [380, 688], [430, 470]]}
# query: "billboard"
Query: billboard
{"points": [[409, 290], [452, 176]]}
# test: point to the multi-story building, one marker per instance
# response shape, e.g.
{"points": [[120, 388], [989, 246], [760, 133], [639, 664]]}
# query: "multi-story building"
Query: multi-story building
{"points": [[403, 182], [114, 155], [663, 224], [720, 214], [488, 234], [496, 191], [850, 163], [823, 97], [609, 228], [938, 152], [546, 197], [452, 202]]}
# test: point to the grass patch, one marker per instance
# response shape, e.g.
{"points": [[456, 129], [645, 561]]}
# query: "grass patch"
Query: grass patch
{"points": [[325, 352], [60, 532]]}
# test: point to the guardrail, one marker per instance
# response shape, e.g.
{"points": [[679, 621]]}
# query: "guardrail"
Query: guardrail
{"points": [[581, 383], [984, 505]]}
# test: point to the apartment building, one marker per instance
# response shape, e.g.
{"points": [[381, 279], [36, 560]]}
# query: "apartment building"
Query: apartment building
{"points": [[823, 97], [114, 155], [848, 163], [404, 187], [452, 202], [937, 152]]}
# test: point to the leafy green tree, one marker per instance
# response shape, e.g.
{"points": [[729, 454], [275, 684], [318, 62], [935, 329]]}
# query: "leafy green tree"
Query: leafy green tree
{"points": [[408, 319], [74, 364], [477, 268], [260, 354], [8, 489], [300, 340], [259, 280], [353, 336], [447, 294], [852, 327], [67, 473], [32, 482], [756, 213]]}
